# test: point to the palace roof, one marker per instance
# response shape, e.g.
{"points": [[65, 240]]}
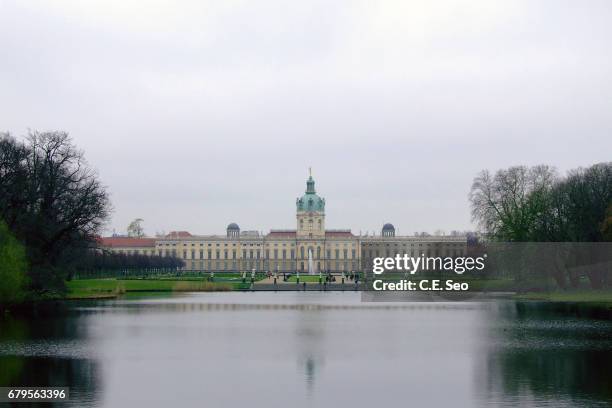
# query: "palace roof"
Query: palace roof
{"points": [[338, 234], [111, 242], [178, 234], [281, 234]]}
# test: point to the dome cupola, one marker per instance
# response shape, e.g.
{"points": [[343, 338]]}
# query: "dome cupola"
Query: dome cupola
{"points": [[233, 230], [388, 230], [310, 201]]}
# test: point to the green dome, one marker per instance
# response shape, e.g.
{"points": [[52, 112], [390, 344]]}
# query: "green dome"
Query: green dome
{"points": [[310, 201]]}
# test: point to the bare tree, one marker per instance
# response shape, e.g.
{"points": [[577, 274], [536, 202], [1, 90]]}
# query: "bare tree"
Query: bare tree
{"points": [[135, 229], [52, 201], [533, 204], [505, 205]]}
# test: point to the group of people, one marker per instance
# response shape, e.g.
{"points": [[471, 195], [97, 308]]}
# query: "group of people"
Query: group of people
{"points": [[329, 277]]}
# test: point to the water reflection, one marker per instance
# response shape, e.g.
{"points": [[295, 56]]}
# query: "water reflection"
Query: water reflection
{"points": [[309, 335], [549, 355], [312, 349], [43, 351]]}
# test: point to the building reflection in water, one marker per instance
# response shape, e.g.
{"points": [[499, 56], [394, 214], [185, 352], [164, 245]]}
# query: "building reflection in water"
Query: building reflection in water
{"points": [[502, 353], [310, 345]]}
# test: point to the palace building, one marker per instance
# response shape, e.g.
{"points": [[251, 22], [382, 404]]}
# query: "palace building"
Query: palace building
{"points": [[288, 250]]}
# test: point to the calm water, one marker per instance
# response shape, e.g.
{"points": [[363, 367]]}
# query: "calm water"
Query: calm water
{"points": [[312, 350]]}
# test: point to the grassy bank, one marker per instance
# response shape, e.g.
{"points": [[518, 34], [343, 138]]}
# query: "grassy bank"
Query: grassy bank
{"points": [[603, 296], [110, 288]]}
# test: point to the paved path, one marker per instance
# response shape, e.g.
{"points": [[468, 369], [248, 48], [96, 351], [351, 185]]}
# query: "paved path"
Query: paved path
{"points": [[279, 281], [268, 284]]}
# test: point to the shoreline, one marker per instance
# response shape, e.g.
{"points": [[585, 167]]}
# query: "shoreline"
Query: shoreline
{"points": [[112, 288]]}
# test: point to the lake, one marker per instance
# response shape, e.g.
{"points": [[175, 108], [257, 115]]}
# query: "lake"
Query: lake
{"points": [[311, 349]]}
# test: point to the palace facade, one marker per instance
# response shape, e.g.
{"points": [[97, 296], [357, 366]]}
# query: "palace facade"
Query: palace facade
{"points": [[291, 250]]}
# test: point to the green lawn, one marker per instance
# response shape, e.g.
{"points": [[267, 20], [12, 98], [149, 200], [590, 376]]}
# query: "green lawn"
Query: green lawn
{"points": [[603, 296], [109, 288], [304, 278]]}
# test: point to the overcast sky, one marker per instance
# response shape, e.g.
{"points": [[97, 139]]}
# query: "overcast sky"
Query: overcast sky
{"points": [[198, 113]]}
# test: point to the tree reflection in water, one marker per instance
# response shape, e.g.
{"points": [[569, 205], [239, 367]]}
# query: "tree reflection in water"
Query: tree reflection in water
{"points": [[550, 354]]}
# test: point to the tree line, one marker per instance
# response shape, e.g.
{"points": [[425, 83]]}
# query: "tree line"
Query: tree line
{"points": [[95, 261], [52, 202], [537, 205], [52, 209]]}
